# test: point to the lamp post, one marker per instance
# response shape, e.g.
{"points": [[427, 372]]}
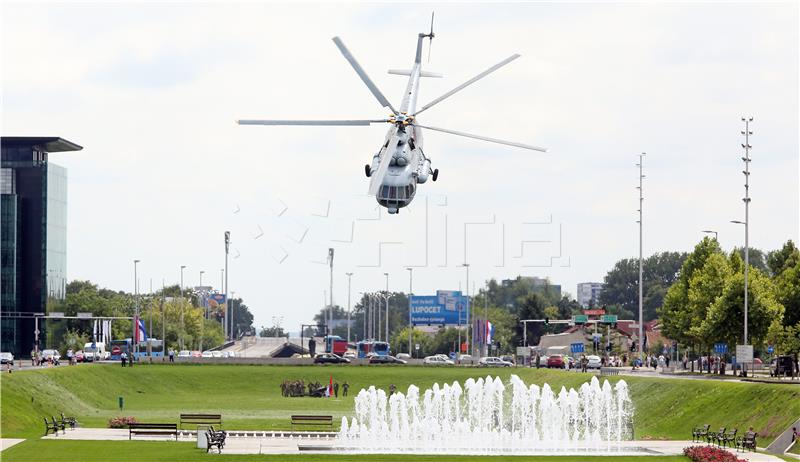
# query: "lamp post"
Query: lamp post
{"points": [[183, 267], [716, 235], [466, 265], [330, 306], [136, 301], [228, 315], [386, 332], [201, 288], [349, 278], [410, 293], [641, 207]]}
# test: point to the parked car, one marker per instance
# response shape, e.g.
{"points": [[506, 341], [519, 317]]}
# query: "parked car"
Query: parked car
{"points": [[385, 359], [197, 354], [330, 358], [51, 354], [509, 358], [492, 361], [184, 354], [6, 358], [465, 359], [216, 354], [79, 356], [542, 361], [594, 362], [206, 354], [403, 356], [350, 355], [556, 361], [437, 360]]}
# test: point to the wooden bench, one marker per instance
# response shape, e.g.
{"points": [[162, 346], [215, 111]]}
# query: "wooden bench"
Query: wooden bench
{"points": [[152, 429], [326, 420], [215, 438], [748, 441], [608, 371], [712, 437], [71, 421], [53, 426], [201, 419], [728, 438], [699, 433]]}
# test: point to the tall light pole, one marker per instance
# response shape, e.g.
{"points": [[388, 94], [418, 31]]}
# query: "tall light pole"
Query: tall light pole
{"points": [[136, 301], [364, 306], [471, 348], [410, 293], [386, 332], [349, 278], [183, 267], [746, 172], [641, 207], [201, 285], [716, 235], [330, 306], [228, 315]]}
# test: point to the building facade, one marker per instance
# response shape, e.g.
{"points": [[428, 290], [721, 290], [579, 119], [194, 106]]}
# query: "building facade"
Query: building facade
{"points": [[33, 238], [589, 293]]}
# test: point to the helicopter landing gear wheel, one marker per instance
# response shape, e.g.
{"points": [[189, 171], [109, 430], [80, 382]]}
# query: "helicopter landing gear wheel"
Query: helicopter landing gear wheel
{"points": [[435, 174], [366, 170]]}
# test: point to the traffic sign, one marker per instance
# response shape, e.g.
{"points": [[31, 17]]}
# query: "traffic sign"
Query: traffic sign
{"points": [[577, 347], [770, 349], [580, 319], [416, 346], [523, 351], [594, 312], [744, 353], [721, 348], [609, 318]]}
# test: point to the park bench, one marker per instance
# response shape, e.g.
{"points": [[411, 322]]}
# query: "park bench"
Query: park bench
{"points": [[201, 419], [608, 371], [215, 438], [71, 421], [326, 420], [53, 426], [728, 438], [748, 441], [699, 433], [713, 437], [152, 429]]}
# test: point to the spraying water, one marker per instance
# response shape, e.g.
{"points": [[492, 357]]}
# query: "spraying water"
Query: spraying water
{"points": [[488, 416]]}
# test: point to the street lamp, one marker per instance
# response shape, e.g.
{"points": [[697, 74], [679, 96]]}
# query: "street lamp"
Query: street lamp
{"points": [[410, 293], [365, 306], [183, 267], [386, 332], [465, 265], [716, 235], [136, 301], [746, 264], [349, 278], [641, 261]]}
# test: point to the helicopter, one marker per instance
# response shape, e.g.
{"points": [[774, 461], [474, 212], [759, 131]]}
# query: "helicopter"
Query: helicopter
{"points": [[401, 164]]}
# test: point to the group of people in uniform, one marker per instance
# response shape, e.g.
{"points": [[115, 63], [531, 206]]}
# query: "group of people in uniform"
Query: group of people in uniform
{"points": [[294, 388]]}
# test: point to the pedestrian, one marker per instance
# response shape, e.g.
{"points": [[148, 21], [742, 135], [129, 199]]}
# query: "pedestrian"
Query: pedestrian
{"points": [[392, 389], [795, 434], [69, 356], [537, 360], [345, 388], [123, 358], [171, 355], [336, 389]]}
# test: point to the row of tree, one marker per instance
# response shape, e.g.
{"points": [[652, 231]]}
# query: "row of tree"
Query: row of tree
{"points": [[168, 313]]}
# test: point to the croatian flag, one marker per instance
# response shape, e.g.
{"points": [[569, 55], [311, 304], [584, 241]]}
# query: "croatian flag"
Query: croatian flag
{"points": [[141, 332], [489, 332], [329, 391]]}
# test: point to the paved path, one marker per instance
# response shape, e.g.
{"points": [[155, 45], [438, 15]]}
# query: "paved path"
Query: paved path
{"points": [[6, 443], [314, 444]]}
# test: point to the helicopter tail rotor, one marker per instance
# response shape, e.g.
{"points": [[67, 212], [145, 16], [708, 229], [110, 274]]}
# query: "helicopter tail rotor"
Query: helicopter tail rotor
{"points": [[430, 36]]}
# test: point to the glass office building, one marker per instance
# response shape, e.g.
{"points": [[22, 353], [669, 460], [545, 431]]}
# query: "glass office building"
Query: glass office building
{"points": [[33, 238]]}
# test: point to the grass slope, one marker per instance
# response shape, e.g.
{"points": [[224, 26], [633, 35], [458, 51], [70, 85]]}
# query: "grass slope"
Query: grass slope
{"points": [[152, 451], [249, 396]]}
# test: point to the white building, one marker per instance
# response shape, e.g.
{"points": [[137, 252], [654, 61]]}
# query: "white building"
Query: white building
{"points": [[589, 293]]}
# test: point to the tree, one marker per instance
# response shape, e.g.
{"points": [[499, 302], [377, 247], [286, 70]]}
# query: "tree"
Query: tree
{"points": [[531, 307], [273, 331], [418, 337], [242, 317], [757, 258], [787, 257], [788, 292]]}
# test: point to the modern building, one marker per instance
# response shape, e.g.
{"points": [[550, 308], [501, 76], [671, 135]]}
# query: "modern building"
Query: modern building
{"points": [[34, 237], [589, 293]]}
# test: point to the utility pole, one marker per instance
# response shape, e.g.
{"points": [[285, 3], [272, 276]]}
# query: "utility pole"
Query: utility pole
{"points": [[136, 303], [410, 294], [183, 267], [201, 289], [746, 159], [349, 277], [386, 331], [641, 206], [330, 306], [229, 310], [469, 327]]}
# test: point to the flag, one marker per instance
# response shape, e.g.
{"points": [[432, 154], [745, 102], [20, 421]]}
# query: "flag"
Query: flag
{"points": [[329, 391], [489, 332], [141, 332]]}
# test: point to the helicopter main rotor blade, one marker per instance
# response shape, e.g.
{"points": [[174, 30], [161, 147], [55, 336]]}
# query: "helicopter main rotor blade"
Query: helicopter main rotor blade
{"points": [[360, 71], [484, 138], [309, 122], [386, 158], [469, 82]]}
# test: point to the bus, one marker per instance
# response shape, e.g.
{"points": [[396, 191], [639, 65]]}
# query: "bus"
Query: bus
{"points": [[370, 346], [335, 344], [117, 347]]}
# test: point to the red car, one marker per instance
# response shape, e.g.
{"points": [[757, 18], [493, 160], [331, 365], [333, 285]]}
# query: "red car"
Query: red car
{"points": [[555, 361]]}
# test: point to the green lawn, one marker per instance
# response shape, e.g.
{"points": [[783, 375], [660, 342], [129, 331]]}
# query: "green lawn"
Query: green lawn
{"points": [[152, 451], [249, 396]]}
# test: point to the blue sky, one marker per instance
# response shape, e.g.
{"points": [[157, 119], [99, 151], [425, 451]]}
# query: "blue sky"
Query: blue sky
{"points": [[152, 92]]}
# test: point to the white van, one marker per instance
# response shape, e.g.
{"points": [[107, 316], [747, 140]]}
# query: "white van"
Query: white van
{"points": [[95, 352]]}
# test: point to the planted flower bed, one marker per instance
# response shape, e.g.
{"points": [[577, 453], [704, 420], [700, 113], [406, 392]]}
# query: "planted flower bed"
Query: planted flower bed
{"points": [[710, 454]]}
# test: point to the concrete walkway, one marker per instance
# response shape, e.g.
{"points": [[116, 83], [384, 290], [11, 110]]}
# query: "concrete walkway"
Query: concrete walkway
{"points": [[6, 443], [318, 444]]}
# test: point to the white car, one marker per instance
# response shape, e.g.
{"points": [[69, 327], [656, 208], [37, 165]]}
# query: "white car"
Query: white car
{"points": [[463, 359], [7, 358], [48, 354], [492, 361], [216, 354], [350, 355], [207, 354], [185, 354], [542, 361], [594, 362], [437, 360], [403, 356]]}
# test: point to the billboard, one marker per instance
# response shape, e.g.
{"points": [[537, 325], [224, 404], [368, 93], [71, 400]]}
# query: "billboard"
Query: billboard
{"points": [[442, 308]]}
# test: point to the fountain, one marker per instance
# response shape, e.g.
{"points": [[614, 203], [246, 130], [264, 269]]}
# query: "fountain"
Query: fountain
{"points": [[486, 416]]}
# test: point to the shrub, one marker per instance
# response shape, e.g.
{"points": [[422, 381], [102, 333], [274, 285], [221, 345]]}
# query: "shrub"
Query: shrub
{"points": [[710, 454], [121, 422]]}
